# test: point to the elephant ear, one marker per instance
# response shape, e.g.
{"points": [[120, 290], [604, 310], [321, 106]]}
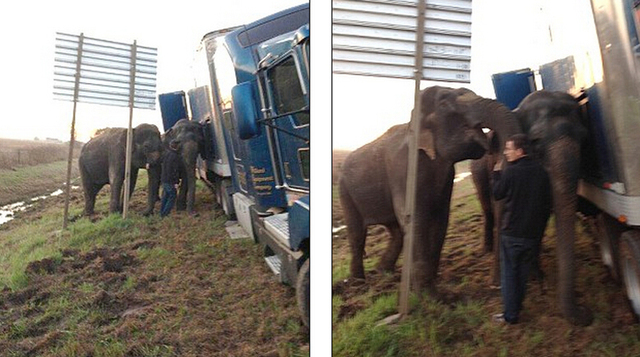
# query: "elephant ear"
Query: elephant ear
{"points": [[426, 140], [426, 143]]}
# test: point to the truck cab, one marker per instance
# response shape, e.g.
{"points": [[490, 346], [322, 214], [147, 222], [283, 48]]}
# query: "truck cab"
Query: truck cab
{"points": [[251, 94]]}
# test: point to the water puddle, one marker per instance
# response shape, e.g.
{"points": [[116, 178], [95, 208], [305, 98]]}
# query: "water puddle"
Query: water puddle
{"points": [[338, 229], [461, 176], [7, 212]]}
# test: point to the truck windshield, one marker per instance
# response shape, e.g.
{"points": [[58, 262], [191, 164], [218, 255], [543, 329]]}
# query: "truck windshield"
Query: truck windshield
{"points": [[287, 90]]}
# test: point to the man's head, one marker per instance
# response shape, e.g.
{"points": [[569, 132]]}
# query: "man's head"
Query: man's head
{"points": [[516, 147]]}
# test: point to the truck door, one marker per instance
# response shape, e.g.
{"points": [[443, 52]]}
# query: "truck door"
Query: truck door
{"points": [[512, 87], [289, 97]]}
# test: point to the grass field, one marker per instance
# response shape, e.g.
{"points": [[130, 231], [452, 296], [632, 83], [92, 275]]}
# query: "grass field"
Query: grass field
{"points": [[21, 153], [459, 324], [144, 286], [30, 168]]}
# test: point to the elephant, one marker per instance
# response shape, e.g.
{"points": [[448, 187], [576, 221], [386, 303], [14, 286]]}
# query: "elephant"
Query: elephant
{"points": [[102, 161], [373, 181], [552, 121], [189, 135]]}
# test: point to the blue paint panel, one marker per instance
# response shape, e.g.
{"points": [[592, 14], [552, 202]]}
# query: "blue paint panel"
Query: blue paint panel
{"points": [[559, 75], [299, 228], [512, 87], [173, 107]]}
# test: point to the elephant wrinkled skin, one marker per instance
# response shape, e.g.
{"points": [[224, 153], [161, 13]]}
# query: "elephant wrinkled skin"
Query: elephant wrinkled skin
{"points": [[373, 182], [102, 161], [189, 137], [552, 122]]}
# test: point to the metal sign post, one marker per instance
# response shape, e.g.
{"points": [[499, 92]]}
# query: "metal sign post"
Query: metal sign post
{"points": [[104, 72], [412, 165], [127, 165], [73, 134]]}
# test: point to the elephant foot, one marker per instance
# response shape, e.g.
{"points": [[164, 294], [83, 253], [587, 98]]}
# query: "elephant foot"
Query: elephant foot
{"points": [[386, 267], [582, 316], [357, 272]]}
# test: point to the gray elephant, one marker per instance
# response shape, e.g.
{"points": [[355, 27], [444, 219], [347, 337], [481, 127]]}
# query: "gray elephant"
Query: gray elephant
{"points": [[373, 182], [553, 123], [189, 136], [102, 161]]}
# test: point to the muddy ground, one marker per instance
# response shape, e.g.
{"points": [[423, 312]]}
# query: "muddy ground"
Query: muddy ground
{"points": [[465, 274], [200, 300]]}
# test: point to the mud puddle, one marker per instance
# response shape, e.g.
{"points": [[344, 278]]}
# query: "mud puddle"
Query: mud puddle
{"points": [[7, 212]]}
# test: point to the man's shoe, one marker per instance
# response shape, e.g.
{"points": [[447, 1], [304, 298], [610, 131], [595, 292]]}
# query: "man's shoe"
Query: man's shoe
{"points": [[498, 318]]}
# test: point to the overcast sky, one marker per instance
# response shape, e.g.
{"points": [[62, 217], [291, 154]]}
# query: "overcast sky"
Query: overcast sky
{"points": [[506, 35], [27, 34]]}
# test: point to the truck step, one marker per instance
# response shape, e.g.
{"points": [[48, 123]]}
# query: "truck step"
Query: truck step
{"points": [[274, 263], [278, 226], [235, 230]]}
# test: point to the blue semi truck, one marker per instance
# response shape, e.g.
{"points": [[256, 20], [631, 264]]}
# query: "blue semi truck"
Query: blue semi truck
{"points": [[251, 96], [599, 64]]}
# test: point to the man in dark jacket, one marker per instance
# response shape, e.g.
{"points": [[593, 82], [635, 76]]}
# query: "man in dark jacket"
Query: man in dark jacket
{"points": [[171, 168], [524, 186]]}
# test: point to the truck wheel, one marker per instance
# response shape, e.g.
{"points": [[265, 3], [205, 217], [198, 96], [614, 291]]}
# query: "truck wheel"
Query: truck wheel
{"points": [[303, 292], [630, 266], [609, 232]]}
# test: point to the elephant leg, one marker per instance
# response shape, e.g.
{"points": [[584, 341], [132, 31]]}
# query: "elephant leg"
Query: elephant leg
{"points": [[191, 193], [394, 248], [132, 181], [495, 266], [153, 187], [356, 232], [563, 173], [181, 201], [431, 229], [116, 182], [481, 180], [90, 193]]}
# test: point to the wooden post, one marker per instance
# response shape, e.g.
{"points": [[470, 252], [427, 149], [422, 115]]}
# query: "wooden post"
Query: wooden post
{"points": [[412, 165], [73, 132], [127, 165]]}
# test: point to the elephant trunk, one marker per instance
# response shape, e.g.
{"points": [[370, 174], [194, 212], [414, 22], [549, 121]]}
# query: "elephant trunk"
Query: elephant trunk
{"points": [[563, 166], [492, 114]]}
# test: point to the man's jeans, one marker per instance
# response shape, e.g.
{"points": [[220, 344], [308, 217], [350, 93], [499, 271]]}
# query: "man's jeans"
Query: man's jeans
{"points": [[517, 256], [168, 199]]}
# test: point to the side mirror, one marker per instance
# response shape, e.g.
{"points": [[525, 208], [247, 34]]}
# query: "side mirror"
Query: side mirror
{"points": [[244, 108]]}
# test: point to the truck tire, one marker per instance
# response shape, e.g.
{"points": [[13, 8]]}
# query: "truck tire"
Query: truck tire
{"points": [[609, 232], [630, 267], [303, 291]]}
